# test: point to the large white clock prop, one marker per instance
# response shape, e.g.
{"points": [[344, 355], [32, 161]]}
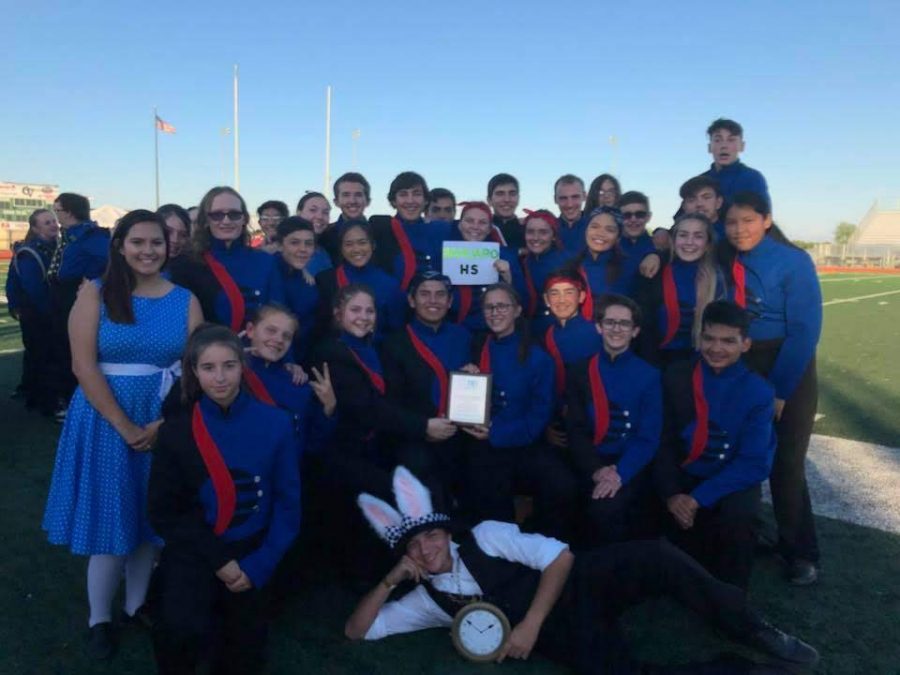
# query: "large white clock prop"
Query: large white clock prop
{"points": [[479, 631]]}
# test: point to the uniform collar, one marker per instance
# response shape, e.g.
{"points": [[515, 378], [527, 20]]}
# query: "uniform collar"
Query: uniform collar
{"points": [[212, 410]]}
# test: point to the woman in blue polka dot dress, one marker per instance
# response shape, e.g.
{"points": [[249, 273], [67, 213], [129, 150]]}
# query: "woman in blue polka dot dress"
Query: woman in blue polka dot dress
{"points": [[126, 332]]}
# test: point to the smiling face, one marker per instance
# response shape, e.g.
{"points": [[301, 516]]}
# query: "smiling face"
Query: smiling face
{"points": [[356, 247], [564, 298], [500, 312], [144, 248], [271, 336], [617, 328], [431, 302], [745, 228], [725, 147], [316, 210], [268, 221], [601, 234], [475, 225], [351, 199], [722, 346], [691, 240], [569, 198], [178, 235], [46, 227], [298, 247], [357, 315], [226, 217], [430, 550], [410, 202], [218, 372], [505, 200], [538, 236], [634, 220]]}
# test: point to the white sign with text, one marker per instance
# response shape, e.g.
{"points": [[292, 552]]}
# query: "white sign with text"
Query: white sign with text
{"points": [[471, 263]]}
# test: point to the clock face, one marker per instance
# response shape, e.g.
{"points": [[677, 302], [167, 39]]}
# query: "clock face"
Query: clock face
{"points": [[481, 632]]}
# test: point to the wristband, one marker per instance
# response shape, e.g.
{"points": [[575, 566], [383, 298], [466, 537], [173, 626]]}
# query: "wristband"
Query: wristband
{"points": [[388, 585]]}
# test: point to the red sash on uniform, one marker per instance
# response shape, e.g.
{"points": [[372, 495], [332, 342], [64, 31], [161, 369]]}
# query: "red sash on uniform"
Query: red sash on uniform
{"points": [[587, 309], [553, 350], [738, 273], [496, 235], [435, 364], [257, 388], [465, 303], [701, 409], [531, 310], [406, 251], [232, 292], [340, 275], [484, 361], [376, 379], [598, 400], [223, 485], [670, 299]]}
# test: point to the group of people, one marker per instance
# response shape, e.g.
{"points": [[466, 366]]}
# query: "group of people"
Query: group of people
{"points": [[644, 385]]}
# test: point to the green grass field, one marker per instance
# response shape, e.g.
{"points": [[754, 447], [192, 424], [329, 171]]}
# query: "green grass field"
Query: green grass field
{"points": [[851, 616]]}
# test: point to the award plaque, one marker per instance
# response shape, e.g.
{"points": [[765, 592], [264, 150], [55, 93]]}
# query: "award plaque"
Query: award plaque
{"points": [[469, 398]]}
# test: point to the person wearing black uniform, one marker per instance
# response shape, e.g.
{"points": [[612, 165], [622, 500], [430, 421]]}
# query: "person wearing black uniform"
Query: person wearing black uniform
{"points": [[563, 606], [717, 447], [225, 497], [777, 284], [503, 197]]}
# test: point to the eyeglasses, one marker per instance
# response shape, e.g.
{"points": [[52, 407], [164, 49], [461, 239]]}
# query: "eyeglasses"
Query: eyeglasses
{"points": [[499, 308], [612, 324], [627, 215], [219, 216]]}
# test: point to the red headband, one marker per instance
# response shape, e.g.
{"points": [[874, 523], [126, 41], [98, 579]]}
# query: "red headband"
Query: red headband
{"points": [[553, 279], [546, 216], [476, 205]]}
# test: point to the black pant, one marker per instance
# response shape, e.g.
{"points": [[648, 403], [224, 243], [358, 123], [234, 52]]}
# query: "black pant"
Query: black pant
{"points": [[39, 368], [441, 467], [723, 537], [582, 631], [197, 614], [790, 493], [62, 297], [495, 476], [615, 519]]}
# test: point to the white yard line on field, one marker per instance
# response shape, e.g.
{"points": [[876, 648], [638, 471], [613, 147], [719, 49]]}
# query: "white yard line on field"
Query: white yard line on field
{"points": [[861, 297], [867, 278]]}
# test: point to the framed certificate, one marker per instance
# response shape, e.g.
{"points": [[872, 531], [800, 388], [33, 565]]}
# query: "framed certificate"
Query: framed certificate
{"points": [[469, 398]]}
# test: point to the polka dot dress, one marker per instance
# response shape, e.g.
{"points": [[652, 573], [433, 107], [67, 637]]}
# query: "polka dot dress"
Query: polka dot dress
{"points": [[98, 492]]}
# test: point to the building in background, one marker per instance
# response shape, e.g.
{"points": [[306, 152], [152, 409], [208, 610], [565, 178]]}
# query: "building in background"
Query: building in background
{"points": [[17, 201]]}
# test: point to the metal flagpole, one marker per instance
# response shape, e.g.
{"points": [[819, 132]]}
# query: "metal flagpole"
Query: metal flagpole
{"points": [[237, 142], [327, 138], [156, 150]]}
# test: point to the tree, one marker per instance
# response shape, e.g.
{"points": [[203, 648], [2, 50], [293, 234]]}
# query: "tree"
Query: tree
{"points": [[843, 232]]}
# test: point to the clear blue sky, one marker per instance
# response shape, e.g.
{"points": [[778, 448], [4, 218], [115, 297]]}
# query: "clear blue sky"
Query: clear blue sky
{"points": [[457, 91]]}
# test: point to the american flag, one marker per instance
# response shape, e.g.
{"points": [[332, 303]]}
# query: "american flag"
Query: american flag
{"points": [[164, 126]]}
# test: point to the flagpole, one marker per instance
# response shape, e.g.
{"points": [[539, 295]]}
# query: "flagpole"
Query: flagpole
{"points": [[327, 138], [237, 142], [156, 151]]}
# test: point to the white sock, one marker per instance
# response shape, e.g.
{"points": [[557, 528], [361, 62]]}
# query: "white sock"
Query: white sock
{"points": [[138, 568], [104, 573]]}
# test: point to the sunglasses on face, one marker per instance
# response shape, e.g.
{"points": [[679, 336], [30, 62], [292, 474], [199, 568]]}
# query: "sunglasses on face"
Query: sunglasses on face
{"points": [[219, 216], [640, 215]]}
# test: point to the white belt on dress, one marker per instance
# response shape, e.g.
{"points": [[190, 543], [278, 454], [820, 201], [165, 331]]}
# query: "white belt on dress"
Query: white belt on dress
{"points": [[142, 369]]}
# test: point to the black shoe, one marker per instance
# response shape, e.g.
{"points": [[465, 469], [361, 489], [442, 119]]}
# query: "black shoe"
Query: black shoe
{"points": [[100, 644], [779, 644], [802, 572], [142, 618]]}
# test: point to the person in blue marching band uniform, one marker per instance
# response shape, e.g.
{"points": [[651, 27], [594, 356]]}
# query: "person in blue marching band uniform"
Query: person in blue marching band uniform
{"points": [[405, 243], [28, 297], [726, 143], [776, 283], [717, 447], [356, 243], [509, 455], [224, 495], [314, 207], [228, 277], [503, 197], [352, 195], [672, 302], [297, 242], [568, 195], [543, 254], [614, 424]]}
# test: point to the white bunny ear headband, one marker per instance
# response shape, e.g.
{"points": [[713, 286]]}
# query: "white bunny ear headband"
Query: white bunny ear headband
{"points": [[416, 512]]}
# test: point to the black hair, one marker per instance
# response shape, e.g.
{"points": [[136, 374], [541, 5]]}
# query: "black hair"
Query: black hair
{"points": [[361, 223], [205, 335], [633, 197], [726, 313], [567, 179], [307, 196], [406, 181], [429, 275], [293, 224], [78, 205], [730, 126], [608, 300], [692, 186], [617, 259], [439, 193], [279, 206], [119, 281], [501, 179], [592, 201], [353, 177], [167, 210]]}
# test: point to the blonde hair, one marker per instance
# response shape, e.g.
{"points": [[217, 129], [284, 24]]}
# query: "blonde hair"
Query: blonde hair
{"points": [[706, 271]]}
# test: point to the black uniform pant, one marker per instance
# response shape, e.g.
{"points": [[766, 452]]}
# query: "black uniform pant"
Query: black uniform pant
{"points": [[583, 632], [62, 298], [39, 368], [496, 475], [623, 517], [723, 537], [790, 493], [196, 616]]}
